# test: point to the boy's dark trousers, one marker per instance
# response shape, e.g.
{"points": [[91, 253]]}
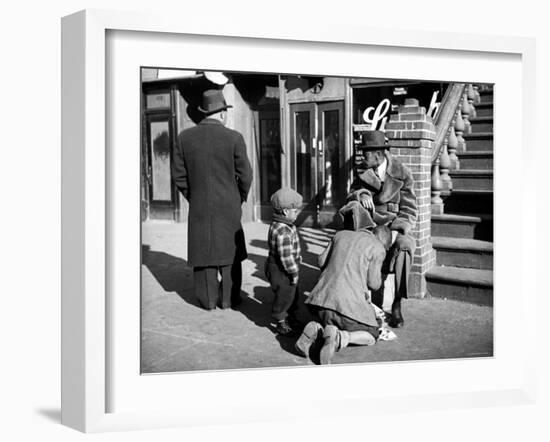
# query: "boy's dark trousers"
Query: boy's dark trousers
{"points": [[207, 287], [286, 294]]}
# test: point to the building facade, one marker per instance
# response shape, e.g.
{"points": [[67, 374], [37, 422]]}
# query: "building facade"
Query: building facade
{"points": [[300, 132]]}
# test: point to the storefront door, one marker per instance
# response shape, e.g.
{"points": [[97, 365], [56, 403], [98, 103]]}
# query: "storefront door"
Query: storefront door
{"points": [[317, 154], [160, 188]]}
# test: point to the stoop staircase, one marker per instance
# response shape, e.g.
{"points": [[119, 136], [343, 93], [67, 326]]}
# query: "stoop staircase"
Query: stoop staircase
{"points": [[463, 236]]}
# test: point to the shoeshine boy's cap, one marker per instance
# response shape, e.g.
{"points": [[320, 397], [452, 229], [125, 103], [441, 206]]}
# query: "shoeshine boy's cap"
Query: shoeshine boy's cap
{"points": [[286, 198]]}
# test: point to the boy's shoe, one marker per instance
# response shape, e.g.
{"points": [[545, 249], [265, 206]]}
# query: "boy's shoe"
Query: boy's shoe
{"points": [[312, 332], [283, 327], [331, 345]]}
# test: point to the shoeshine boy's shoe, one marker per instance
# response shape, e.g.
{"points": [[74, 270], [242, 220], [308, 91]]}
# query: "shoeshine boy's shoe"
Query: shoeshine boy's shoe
{"points": [[331, 345], [312, 332]]}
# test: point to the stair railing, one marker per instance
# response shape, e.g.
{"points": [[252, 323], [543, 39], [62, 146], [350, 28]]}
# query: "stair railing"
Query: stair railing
{"points": [[451, 121], [446, 115]]}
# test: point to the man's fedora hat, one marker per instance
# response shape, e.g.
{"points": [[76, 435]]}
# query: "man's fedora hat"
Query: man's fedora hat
{"points": [[373, 140], [213, 101]]}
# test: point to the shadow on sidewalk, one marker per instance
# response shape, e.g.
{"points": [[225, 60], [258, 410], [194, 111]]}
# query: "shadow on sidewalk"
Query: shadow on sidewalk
{"points": [[310, 239], [172, 273], [257, 308]]}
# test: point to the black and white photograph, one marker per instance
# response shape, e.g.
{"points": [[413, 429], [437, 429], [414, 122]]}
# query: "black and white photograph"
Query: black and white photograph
{"points": [[303, 220]]}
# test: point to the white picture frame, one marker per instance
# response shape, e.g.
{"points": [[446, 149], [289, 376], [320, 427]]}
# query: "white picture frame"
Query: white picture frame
{"points": [[88, 176]]}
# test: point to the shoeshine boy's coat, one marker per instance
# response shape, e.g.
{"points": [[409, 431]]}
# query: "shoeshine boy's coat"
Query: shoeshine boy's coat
{"points": [[212, 171], [351, 266]]}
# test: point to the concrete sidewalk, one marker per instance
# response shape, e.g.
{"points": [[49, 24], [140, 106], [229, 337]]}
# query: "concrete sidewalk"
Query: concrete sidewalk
{"points": [[177, 335]]}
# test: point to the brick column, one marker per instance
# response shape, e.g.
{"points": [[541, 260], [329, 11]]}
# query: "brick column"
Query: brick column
{"points": [[411, 135]]}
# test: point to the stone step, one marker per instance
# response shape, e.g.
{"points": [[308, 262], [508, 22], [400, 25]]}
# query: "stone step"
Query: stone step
{"points": [[484, 229], [466, 179], [463, 252], [477, 141], [481, 124], [455, 226], [469, 201], [484, 109], [478, 160], [468, 285]]}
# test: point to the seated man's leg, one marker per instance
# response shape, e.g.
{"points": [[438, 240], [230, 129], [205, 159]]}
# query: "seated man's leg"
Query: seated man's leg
{"points": [[401, 254]]}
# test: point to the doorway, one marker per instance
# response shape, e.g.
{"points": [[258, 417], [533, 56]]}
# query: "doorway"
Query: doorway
{"points": [[317, 158], [160, 189]]}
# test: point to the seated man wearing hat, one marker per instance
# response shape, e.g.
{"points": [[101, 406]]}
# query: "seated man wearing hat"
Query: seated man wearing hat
{"points": [[211, 169], [384, 188]]}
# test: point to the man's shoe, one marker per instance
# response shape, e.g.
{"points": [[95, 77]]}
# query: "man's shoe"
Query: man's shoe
{"points": [[331, 345], [396, 320], [312, 331], [283, 328]]}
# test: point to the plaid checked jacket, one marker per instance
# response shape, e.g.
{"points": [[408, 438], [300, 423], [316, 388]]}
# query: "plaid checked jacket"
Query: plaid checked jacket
{"points": [[284, 246]]}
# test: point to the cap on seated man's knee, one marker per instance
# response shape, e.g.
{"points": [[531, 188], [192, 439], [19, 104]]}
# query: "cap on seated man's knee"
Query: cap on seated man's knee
{"points": [[383, 234]]}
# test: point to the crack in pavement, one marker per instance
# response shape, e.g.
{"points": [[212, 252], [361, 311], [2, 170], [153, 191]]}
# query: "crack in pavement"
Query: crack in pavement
{"points": [[194, 340]]}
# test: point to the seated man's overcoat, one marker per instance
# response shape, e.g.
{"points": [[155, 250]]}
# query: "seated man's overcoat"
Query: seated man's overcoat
{"points": [[394, 199]]}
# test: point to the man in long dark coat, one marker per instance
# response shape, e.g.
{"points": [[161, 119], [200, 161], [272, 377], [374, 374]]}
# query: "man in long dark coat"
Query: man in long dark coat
{"points": [[212, 171], [385, 189]]}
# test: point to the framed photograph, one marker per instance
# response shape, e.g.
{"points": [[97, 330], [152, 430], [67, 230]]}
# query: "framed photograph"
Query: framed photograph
{"points": [[270, 221]]}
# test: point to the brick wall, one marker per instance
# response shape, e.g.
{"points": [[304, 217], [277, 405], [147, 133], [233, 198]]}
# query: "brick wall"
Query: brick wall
{"points": [[411, 135]]}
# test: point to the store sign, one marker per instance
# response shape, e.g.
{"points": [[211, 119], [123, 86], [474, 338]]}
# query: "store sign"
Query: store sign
{"points": [[377, 117], [434, 105]]}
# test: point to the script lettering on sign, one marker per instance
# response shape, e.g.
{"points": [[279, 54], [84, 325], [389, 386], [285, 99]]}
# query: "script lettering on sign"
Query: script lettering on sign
{"points": [[376, 117], [434, 105]]}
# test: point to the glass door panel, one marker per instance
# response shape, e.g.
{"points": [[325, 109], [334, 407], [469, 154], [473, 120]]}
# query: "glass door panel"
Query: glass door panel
{"points": [[303, 154], [162, 193], [270, 155], [331, 153], [160, 161], [302, 151]]}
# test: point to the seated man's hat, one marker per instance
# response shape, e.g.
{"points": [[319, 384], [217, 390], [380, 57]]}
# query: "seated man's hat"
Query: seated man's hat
{"points": [[373, 140], [213, 101]]}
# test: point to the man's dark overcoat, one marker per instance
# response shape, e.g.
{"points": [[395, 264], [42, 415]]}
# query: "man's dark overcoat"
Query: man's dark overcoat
{"points": [[211, 169]]}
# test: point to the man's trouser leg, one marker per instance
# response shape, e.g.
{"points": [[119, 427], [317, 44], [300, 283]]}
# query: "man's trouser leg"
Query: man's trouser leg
{"points": [[206, 286], [237, 278], [403, 250], [232, 277]]}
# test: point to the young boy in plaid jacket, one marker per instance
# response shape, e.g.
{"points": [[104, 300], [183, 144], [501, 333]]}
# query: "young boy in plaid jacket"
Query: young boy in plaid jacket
{"points": [[283, 261]]}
